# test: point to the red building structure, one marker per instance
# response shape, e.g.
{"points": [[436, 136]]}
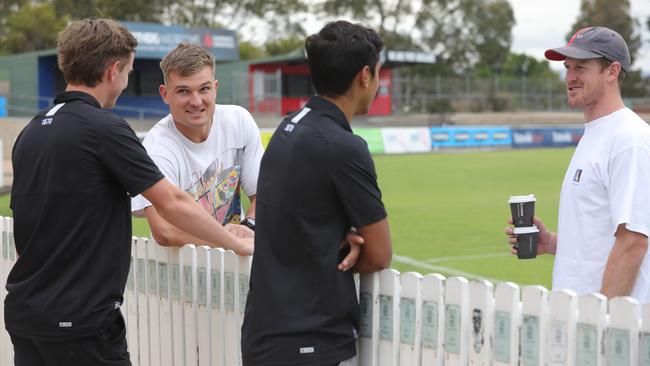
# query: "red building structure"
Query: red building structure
{"points": [[293, 81]]}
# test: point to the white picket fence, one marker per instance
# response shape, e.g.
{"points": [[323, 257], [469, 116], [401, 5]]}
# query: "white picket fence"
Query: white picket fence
{"points": [[185, 307]]}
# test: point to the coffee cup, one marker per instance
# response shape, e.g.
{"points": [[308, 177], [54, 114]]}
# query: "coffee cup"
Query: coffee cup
{"points": [[527, 238], [522, 209]]}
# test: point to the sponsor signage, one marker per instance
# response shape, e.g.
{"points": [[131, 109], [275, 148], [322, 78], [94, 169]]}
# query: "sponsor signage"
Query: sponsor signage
{"points": [[409, 57], [373, 138], [155, 40], [470, 137], [545, 137], [406, 140]]}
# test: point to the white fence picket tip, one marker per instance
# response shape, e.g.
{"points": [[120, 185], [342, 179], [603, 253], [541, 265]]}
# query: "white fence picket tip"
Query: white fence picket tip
{"points": [[456, 321], [562, 332], [203, 323], [217, 314], [433, 319], [534, 326], [164, 305], [507, 323], [622, 336], [481, 315], [155, 351], [592, 320], [410, 318], [189, 300], [143, 302], [369, 323], [388, 317]]}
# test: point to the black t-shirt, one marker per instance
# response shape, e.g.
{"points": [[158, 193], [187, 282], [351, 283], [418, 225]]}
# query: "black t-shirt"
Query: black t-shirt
{"points": [[316, 180], [75, 166]]}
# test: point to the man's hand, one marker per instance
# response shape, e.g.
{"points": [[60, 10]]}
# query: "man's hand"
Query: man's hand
{"points": [[240, 231], [354, 240], [546, 244], [246, 246]]}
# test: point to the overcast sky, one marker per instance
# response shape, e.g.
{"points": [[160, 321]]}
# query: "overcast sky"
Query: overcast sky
{"points": [[544, 24], [540, 24]]}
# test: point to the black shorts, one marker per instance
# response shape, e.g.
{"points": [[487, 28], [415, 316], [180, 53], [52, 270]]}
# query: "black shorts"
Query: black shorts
{"points": [[107, 348]]}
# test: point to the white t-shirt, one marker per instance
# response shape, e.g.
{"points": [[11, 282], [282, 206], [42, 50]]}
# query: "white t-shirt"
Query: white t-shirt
{"points": [[212, 171], [607, 184]]}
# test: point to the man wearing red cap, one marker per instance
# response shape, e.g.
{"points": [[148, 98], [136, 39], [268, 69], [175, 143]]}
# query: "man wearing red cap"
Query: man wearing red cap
{"points": [[604, 216]]}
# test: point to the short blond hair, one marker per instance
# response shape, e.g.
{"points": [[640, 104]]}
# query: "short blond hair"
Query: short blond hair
{"points": [[186, 59], [87, 47]]}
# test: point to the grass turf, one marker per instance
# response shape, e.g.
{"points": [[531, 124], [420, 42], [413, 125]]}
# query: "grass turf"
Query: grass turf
{"points": [[447, 211]]}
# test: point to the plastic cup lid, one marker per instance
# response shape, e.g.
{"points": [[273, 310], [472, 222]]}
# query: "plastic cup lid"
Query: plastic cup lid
{"points": [[521, 199], [526, 230]]}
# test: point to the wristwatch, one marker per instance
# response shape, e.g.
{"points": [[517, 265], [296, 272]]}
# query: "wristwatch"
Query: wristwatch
{"points": [[249, 222]]}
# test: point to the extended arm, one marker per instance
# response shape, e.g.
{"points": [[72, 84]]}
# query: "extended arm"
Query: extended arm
{"points": [[167, 234], [624, 262], [175, 213]]}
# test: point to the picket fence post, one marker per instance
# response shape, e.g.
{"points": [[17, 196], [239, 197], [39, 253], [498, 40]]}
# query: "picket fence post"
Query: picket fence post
{"points": [[622, 337], [481, 313], [456, 321], [534, 310], [592, 321], [369, 322], [388, 317], [433, 319], [410, 318], [507, 323]]}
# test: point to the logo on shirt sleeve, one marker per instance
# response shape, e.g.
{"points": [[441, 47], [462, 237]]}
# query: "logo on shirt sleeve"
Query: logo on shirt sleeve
{"points": [[577, 175]]}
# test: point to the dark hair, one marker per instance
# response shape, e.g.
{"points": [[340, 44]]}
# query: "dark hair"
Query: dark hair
{"points": [[338, 52], [87, 47]]}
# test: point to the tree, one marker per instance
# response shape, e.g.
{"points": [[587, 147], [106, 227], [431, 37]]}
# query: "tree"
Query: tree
{"points": [[387, 16], [614, 14], [494, 37], [32, 27], [517, 65], [284, 45], [249, 51], [465, 32], [130, 10], [460, 32]]}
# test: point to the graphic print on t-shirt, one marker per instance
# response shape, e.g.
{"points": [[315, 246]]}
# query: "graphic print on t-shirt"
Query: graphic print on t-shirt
{"points": [[218, 189]]}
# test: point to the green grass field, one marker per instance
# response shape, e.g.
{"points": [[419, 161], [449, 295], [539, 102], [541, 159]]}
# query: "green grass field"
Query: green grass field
{"points": [[447, 211]]}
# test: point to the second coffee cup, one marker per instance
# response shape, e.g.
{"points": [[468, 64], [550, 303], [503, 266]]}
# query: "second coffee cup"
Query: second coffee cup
{"points": [[527, 238], [522, 209]]}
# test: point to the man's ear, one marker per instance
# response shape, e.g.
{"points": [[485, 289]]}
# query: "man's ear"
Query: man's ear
{"points": [[216, 88], [162, 89], [112, 70], [614, 70], [366, 76]]}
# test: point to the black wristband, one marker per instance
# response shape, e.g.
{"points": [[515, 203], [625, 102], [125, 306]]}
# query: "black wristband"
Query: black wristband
{"points": [[249, 222]]}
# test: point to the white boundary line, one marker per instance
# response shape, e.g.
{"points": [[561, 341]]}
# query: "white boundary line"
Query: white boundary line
{"points": [[468, 257], [436, 268]]}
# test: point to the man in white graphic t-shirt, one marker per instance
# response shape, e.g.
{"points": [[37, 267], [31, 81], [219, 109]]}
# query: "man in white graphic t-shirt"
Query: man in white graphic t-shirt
{"points": [[210, 151], [604, 216]]}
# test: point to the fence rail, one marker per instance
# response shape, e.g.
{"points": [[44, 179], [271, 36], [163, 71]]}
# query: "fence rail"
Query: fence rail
{"points": [[184, 306]]}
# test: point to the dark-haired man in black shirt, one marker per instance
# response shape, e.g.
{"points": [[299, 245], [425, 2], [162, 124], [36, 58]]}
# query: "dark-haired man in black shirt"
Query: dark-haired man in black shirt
{"points": [[317, 180], [75, 167]]}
